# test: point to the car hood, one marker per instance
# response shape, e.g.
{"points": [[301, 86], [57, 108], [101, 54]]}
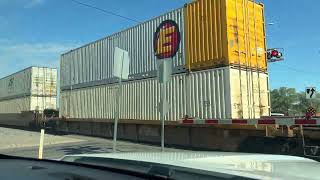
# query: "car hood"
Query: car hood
{"points": [[259, 166]]}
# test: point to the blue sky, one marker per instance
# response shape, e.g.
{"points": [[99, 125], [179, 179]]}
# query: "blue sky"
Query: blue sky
{"points": [[36, 32]]}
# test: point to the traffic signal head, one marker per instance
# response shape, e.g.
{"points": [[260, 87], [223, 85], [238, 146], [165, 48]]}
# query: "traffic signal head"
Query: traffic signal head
{"points": [[274, 55]]}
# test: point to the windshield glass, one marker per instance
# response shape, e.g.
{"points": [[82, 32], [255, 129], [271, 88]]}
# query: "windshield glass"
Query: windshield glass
{"points": [[81, 77]]}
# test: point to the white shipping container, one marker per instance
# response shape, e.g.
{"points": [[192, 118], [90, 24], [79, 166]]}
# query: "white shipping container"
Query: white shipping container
{"points": [[214, 93], [93, 63], [41, 103], [29, 103], [44, 81], [39, 81]]}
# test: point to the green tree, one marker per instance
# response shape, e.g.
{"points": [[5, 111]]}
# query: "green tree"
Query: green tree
{"points": [[289, 102], [302, 104], [283, 100]]}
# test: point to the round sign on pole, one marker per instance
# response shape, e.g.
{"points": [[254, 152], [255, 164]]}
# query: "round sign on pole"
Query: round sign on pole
{"points": [[166, 39]]}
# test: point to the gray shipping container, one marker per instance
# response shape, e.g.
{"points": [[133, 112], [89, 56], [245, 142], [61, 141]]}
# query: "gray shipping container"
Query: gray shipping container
{"points": [[92, 64], [28, 103]]}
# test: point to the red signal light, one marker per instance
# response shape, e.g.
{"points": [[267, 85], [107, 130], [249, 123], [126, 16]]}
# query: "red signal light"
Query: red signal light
{"points": [[274, 53]]}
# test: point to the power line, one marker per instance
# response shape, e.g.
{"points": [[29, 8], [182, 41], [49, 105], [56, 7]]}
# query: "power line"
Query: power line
{"points": [[298, 70], [105, 11]]}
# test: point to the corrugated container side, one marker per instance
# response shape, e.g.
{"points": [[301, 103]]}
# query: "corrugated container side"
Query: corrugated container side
{"points": [[19, 90], [62, 69], [225, 32], [16, 85], [41, 103], [206, 36], [43, 81], [94, 62], [212, 93], [246, 34], [15, 105], [28, 103], [250, 94]]}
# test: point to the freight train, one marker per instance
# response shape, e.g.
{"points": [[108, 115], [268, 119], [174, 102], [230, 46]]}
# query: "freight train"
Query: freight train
{"points": [[219, 66], [219, 77], [219, 69]]}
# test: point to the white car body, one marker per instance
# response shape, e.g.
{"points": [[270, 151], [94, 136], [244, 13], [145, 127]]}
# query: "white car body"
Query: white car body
{"points": [[257, 166]]}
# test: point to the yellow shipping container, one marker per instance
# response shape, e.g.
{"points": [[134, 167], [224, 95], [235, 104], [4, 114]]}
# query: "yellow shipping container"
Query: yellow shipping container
{"points": [[225, 32]]}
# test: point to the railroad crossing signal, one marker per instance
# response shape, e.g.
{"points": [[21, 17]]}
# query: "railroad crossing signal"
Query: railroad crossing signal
{"points": [[311, 112], [311, 92], [275, 54]]}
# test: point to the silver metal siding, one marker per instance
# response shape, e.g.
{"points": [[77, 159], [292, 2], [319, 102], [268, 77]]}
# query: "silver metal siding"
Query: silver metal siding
{"points": [[15, 105], [21, 84], [94, 62], [211, 94], [27, 103], [61, 70], [77, 68]]}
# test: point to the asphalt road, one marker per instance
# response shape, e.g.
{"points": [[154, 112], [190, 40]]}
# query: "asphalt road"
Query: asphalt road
{"points": [[25, 143]]}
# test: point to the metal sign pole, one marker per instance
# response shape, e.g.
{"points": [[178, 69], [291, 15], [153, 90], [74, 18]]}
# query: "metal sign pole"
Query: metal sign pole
{"points": [[163, 99], [167, 44], [188, 89], [116, 119], [164, 75]]}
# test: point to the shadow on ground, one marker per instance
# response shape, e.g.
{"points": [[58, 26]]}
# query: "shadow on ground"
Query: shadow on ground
{"points": [[84, 149]]}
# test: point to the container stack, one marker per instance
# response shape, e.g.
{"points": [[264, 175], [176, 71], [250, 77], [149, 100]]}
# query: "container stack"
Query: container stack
{"points": [[34, 88], [219, 70]]}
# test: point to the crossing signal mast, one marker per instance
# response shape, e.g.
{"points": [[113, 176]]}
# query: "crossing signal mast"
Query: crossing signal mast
{"points": [[275, 54]]}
